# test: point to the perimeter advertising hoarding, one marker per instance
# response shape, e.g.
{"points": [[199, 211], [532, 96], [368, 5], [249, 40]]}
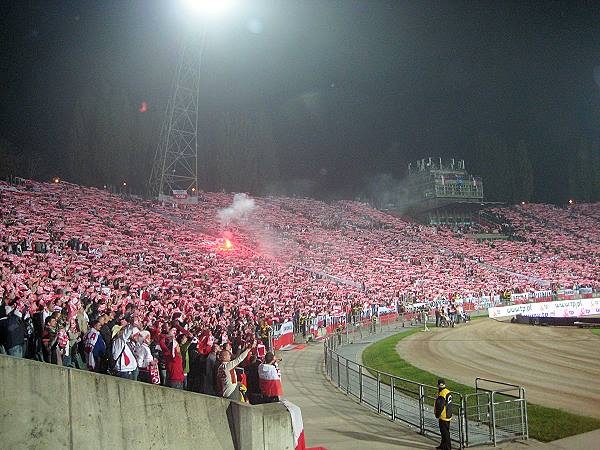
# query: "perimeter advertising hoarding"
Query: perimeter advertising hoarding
{"points": [[180, 193], [565, 308]]}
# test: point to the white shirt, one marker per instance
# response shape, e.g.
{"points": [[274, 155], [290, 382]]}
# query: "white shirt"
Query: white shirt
{"points": [[126, 361], [143, 355]]}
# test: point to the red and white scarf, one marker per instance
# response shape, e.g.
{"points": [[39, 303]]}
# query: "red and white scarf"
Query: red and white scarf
{"points": [[269, 378]]}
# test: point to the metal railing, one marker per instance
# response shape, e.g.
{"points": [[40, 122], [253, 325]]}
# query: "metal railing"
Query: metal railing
{"points": [[507, 410], [394, 397], [486, 416]]}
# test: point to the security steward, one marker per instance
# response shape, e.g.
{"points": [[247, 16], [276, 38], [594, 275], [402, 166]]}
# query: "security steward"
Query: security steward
{"points": [[443, 412], [338, 330], [265, 331]]}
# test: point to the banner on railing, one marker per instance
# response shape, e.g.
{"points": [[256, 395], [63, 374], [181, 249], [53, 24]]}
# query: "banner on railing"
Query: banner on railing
{"points": [[536, 296], [517, 298], [542, 296], [284, 335], [297, 425], [386, 310], [566, 294]]}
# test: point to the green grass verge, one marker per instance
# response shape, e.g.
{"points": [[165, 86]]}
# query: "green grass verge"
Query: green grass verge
{"points": [[596, 331], [545, 424]]}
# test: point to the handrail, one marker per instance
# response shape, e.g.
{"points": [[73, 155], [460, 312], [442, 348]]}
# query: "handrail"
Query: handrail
{"points": [[412, 406], [497, 382], [412, 402]]}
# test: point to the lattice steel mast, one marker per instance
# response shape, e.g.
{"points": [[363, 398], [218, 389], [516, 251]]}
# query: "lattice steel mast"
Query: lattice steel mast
{"points": [[176, 158]]}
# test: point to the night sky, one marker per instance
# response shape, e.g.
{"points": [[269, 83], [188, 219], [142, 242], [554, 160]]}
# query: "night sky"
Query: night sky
{"points": [[355, 88]]}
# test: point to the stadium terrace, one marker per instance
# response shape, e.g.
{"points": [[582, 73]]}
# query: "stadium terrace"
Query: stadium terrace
{"points": [[78, 254]]}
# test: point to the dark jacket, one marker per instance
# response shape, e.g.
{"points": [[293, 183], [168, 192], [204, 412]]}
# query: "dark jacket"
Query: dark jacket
{"points": [[210, 374], [12, 331], [252, 381], [197, 368], [106, 332]]}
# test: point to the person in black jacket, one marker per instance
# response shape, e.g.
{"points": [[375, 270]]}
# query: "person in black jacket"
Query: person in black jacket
{"points": [[110, 321], [252, 382], [197, 364], [38, 330], [12, 334]]}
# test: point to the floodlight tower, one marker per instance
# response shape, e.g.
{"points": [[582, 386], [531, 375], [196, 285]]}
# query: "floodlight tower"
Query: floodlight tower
{"points": [[176, 159], [175, 169]]}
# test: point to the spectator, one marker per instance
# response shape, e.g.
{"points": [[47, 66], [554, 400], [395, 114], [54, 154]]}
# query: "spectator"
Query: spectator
{"points": [[160, 357], [265, 330], [95, 348], [108, 322], [173, 361], [184, 344], [270, 379], [145, 361], [210, 378], [50, 342], [197, 366], [252, 380], [124, 360], [12, 334], [227, 382]]}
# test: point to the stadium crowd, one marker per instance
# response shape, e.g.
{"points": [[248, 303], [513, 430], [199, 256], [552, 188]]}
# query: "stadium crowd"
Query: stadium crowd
{"points": [[151, 292]]}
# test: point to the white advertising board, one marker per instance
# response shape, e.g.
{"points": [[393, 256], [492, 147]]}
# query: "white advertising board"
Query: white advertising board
{"points": [[564, 308], [286, 328]]}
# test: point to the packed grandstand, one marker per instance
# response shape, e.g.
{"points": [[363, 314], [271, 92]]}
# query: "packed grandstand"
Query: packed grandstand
{"points": [[77, 254]]}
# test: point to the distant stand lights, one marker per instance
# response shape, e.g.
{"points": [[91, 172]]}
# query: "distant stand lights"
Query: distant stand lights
{"points": [[193, 190], [56, 180], [523, 203], [571, 201]]}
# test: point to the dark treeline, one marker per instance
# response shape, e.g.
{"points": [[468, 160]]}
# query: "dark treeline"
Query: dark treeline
{"points": [[108, 141]]}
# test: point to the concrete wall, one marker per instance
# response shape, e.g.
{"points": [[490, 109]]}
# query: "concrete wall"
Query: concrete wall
{"points": [[43, 406]]}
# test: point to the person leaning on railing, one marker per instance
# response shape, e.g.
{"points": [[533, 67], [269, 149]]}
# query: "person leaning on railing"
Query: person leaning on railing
{"points": [[443, 412]]}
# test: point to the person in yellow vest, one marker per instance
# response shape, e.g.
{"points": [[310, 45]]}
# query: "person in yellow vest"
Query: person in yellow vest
{"points": [[339, 330], [443, 412], [265, 331]]}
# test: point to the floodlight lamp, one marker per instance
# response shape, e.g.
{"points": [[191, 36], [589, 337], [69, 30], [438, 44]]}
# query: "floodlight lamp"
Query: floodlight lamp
{"points": [[209, 8]]}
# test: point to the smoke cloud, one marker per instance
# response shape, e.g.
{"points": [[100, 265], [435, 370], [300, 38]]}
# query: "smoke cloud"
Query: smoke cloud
{"points": [[241, 206], [385, 191]]}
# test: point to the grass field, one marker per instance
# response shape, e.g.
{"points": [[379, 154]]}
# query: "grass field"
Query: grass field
{"points": [[596, 331], [545, 424]]}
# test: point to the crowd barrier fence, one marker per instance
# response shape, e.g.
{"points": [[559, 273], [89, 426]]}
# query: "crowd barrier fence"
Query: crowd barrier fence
{"points": [[492, 414]]}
